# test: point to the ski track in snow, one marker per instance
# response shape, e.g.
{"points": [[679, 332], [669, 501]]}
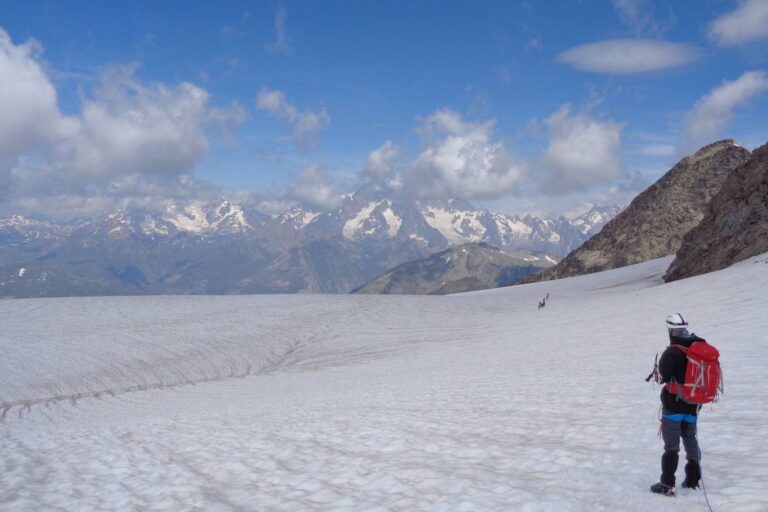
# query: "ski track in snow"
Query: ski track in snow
{"points": [[474, 402]]}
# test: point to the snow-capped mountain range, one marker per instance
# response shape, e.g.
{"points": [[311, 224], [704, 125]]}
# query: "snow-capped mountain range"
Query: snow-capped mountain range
{"points": [[443, 224], [19, 229], [231, 248], [225, 218]]}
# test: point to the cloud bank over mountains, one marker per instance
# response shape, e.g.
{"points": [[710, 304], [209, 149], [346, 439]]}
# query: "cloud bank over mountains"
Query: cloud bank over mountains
{"points": [[131, 142], [313, 188], [136, 143], [464, 160]]}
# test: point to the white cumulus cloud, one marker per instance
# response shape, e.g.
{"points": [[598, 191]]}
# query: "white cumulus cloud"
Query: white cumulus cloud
{"points": [[313, 188], [380, 164], [712, 112], [582, 152], [461, 161], [626, 56], [749, 22], [29, 112], [128, 141], [305, 124], [131, 128]]}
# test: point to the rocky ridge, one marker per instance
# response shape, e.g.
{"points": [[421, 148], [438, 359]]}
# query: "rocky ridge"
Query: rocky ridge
{"points": [[460, 269]]}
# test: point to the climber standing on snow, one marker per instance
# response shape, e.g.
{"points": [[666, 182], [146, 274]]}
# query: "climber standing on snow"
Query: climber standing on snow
{"points": [[690, 371]]}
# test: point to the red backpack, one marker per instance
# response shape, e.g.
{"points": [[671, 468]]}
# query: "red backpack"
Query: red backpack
{"points": [[703, 377]]}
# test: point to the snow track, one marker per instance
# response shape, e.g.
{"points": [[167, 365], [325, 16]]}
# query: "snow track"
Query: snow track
{"points": [[473, 402]]}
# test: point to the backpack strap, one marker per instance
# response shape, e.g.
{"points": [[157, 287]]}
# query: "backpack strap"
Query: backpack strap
{"points": [[673, 386]]}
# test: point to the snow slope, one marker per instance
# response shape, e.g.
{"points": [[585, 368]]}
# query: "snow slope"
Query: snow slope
{"points": [[473, 402]]}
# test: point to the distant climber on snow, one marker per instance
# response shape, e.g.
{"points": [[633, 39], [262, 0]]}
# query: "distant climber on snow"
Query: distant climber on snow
{"points": [[689, 368]]}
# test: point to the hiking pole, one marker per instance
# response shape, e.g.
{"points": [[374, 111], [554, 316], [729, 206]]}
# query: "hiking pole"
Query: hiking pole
{"points": [[655, 371]]}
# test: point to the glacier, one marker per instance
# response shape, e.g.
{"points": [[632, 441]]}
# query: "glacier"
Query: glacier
{"points": [[472, 402]]}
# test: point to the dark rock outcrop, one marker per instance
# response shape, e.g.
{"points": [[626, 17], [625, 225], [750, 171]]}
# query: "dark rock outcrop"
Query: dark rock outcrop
{"points": [[735, 226], [656, 221]]}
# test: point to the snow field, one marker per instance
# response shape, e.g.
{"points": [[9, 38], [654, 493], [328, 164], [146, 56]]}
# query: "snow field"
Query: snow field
{"points": [[473, 402]]}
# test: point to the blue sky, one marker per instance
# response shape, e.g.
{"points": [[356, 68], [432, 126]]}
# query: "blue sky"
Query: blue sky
{"points": [[523, 106]]}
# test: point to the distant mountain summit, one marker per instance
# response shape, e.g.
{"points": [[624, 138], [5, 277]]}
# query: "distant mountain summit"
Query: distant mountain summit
{"points": [[459, 269], [225, 218], [19, 230], [219, 219], [593, 221], [735, 224], [655, 222]]}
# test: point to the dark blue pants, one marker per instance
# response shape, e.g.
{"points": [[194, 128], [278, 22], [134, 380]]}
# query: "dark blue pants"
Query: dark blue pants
{"points": [[673, 428]]}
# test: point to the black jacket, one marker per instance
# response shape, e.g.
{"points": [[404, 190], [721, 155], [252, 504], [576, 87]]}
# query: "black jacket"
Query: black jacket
{"points": [[672, 365]]}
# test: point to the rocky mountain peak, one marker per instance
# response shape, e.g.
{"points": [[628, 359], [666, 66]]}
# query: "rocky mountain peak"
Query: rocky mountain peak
{"points": [[227, 218], [654, 224], [296, 218], [711, 149], [735, 224], [376, 218], [224, 218]]}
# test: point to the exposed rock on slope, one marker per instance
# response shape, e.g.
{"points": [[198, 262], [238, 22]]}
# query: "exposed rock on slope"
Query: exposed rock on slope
{"points": [[735, 226], [460, 269], [654, 224]]}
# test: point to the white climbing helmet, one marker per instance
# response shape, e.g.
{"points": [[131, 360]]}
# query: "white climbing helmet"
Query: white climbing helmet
{"points": [[676, 321]]}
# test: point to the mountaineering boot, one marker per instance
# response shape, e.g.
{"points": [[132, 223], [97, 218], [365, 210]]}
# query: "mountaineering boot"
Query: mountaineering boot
{"points": [[689, 485], [692, 475], [660, 488]]}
